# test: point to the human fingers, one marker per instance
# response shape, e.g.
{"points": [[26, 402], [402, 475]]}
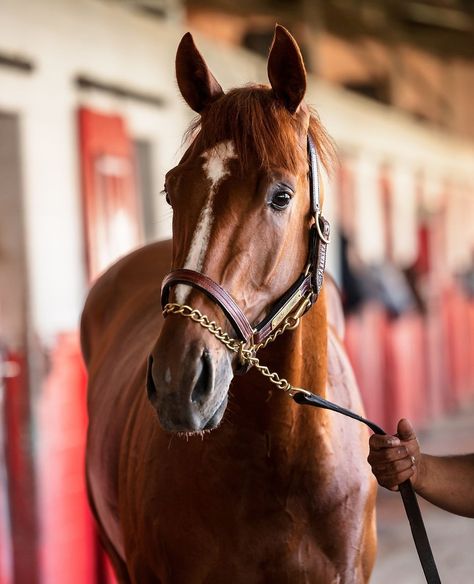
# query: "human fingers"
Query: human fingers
{"points": [[407, 436], [405, 430], [380, 442], [391, 480], [387, 455], [389, 474], [392, 467]]}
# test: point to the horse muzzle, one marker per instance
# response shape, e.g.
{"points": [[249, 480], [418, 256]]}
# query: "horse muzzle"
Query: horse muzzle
{"points": [[188, 388]]}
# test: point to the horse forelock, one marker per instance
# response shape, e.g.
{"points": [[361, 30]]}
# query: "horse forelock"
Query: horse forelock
{"points": [[261, 129]]}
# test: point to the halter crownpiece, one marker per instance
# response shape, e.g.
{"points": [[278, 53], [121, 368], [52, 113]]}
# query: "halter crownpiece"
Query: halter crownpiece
{"points": [[299, 297]]}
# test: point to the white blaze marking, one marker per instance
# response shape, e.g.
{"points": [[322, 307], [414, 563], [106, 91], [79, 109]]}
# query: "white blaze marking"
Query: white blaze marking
{"points": [[215, 167]]}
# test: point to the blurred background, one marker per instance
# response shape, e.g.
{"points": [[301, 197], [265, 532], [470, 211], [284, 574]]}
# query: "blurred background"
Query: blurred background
{"points": [[91, 119]]}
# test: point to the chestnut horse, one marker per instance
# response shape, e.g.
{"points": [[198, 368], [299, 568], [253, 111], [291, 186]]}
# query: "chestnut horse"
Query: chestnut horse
{"points": [[276, 492]]}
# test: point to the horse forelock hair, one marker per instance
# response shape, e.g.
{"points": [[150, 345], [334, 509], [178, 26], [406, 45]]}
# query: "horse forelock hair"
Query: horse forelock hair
{"points": [[262, 130]]}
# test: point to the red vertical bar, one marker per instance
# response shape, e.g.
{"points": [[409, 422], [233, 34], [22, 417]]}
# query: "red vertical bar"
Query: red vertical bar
{"points": [[21, 478], [67, 536], [365, 343], [108, 184], [112, 219], [5, 527]]}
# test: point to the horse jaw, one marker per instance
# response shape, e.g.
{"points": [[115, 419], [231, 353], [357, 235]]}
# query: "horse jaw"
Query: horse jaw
{"points": [[188, 382]]}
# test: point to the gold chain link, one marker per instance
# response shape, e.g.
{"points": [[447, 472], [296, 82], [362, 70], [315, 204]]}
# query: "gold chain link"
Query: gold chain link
{"points": [[246, 354]]}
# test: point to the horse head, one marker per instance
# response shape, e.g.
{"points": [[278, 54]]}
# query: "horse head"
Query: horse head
{"points": [[241, 217]]}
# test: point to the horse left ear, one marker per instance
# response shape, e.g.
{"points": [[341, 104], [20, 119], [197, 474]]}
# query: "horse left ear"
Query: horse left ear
{"points": [[286, 70], [197, 84]]}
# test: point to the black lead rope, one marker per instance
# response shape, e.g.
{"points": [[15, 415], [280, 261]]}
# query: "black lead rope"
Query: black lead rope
{"points": [[407, 493]]}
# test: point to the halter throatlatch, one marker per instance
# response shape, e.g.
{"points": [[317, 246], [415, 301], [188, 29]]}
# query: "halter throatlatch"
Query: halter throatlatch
{"points": [[299, 297]]}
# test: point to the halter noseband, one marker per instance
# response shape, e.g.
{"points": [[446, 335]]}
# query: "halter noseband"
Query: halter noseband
{"points": [[297, 300]]}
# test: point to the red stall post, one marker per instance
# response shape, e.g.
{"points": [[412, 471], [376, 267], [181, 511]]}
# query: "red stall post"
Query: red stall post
{"points": [[67, 538]]}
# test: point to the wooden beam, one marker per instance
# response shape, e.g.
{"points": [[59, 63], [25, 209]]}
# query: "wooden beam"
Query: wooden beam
{"points": [[118, 90], [15, 62]]}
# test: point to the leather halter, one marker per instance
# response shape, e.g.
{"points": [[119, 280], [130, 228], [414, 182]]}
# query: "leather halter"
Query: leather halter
{"points": [[300, 296]]}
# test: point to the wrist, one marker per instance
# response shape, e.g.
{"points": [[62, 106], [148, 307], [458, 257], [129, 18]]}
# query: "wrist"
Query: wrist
{"points": [[419, 478]]}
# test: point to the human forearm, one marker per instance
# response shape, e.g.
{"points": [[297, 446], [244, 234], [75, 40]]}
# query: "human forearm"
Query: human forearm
{"points": [[447, 481]]}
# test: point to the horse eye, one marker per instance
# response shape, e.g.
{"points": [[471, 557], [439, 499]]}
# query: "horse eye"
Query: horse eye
{"points": [[280, 200]]}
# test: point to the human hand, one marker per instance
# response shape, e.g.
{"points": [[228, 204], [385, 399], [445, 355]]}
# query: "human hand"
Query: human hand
{"points": [[394, 459]]}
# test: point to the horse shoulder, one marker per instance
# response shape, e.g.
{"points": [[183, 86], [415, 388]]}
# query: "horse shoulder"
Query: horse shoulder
{"points": [[352, 438], [341, 380], [137, 272], [117, 323]]}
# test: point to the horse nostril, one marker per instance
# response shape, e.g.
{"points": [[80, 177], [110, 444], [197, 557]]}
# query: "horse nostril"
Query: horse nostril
{"points": [[203, 384], [150, 384]]}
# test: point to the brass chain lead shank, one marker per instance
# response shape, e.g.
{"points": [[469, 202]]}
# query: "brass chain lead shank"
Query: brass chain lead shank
{"points": [[246, 353]]}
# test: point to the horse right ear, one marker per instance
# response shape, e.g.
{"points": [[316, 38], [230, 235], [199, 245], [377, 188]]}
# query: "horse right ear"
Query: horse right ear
{"points": [[197, 84]]}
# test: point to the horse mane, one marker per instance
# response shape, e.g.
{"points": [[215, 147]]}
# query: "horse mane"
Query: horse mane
{"points": [[261, 128]]}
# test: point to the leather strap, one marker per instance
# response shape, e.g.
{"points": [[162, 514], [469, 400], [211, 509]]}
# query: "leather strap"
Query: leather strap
{"points": [[318, 243], [407, 493], [215, 292], [301, 289], [319, 235], [313, 178]]}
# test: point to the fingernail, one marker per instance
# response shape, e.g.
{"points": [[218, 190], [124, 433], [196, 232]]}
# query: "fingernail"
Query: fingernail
{"points": [[394, 442]]}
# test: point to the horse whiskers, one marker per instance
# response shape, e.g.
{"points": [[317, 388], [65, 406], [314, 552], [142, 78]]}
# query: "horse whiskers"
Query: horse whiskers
{"points": [[198, 433]]}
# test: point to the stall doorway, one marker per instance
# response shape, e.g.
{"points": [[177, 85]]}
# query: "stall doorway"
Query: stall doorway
{"points": [[18, 525]]}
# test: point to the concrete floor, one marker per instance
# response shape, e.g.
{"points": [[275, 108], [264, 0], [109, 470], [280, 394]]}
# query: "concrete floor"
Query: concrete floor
{"points": [[451, 537]]}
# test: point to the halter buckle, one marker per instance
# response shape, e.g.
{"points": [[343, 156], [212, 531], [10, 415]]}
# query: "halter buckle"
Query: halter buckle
{"points": [[304, 306], [323, 236]]}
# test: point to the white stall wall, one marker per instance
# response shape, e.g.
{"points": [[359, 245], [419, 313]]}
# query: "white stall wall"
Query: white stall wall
{"points": [[109, 42], [404, 214], [65, 38]]}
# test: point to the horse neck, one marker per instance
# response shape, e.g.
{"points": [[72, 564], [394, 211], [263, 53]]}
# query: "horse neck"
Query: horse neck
{"points": [[300, 356]]}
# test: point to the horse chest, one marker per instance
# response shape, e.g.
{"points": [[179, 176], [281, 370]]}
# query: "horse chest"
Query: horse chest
{"points": [[265, 538], [262, 517]]}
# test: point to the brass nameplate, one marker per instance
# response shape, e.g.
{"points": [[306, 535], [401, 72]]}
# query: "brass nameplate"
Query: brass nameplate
{"points": [[286, 309]]}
